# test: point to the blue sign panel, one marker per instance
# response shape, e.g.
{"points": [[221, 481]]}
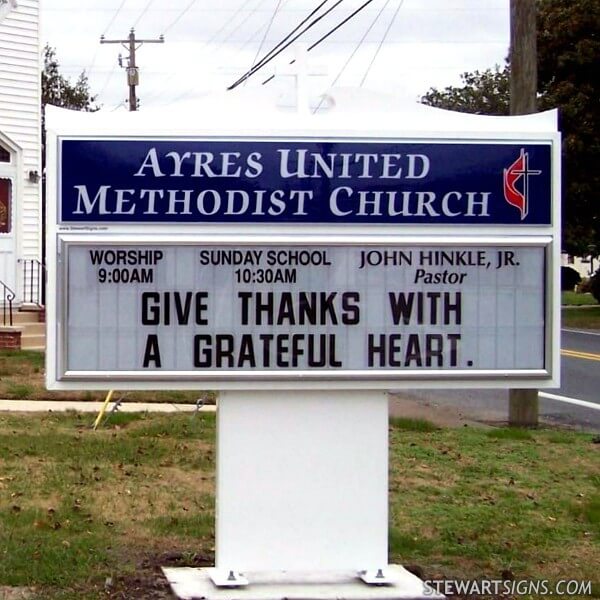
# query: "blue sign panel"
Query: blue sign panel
{"points": [[208, 181]]}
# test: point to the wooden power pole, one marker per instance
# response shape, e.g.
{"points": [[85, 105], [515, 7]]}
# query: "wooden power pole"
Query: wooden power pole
{"points": [[523, 409], [133, 75]]}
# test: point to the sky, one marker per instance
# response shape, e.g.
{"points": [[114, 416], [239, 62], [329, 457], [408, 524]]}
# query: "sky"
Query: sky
{"points": [[402, 47]]}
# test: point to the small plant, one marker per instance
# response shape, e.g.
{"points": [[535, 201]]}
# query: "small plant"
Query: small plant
{"points": [[510, 433], [420, 425], [20, 390]]}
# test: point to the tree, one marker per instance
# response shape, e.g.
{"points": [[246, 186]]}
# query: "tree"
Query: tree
{"points": [[482, 93], [59, 91], [568, 58]]}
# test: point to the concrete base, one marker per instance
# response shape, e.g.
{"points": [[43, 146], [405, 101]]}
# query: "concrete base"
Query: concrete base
{"points": [[191, 584]]}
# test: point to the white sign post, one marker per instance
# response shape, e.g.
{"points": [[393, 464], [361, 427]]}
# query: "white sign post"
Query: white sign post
{"points": [[302, 265]]}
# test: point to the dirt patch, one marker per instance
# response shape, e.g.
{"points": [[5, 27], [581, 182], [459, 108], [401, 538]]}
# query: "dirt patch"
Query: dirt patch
{"points": [[403, 406], [149, 582], [15, 593], [140, 492]]}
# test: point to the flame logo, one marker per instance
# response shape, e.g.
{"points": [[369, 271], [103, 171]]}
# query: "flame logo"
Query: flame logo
{"points": [[518, 171]]}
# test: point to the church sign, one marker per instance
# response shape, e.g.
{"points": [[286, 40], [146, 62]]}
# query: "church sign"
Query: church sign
{"points": [[196, 310], [300, 261], [291, 181]]}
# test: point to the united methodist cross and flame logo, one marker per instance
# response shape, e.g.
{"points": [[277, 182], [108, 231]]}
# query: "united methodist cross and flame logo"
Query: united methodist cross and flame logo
{"points": [[516, 183]]}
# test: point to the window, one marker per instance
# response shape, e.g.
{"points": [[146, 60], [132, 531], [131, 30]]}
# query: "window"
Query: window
{"points": [[5, 205], [4, 155]]}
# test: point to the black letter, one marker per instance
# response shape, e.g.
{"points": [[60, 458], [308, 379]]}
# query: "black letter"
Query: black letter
{"points": [[350, 302], [152, 352], [150, 314]]}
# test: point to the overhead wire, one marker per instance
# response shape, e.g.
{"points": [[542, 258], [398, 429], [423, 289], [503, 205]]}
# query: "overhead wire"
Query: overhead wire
{"points": [[267, 30], [382, 41], [328, 34], [360, 43], [228, 22], [227, 37], [179, 17], [148, 5], [252, 37], [287, 37], [112, 20], [114, 17], [279, 48]]}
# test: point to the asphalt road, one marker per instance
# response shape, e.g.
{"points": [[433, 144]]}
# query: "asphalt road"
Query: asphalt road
{"points": [[580, 379], [580, 361]]}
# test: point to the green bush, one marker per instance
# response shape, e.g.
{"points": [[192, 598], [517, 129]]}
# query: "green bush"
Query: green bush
{"points": [[569, 278], [595, 285], [585, 287]]}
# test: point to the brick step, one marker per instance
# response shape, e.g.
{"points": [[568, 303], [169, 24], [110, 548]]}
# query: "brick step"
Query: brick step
{"points": [[32, 328], [26, 316], [33, 342]]}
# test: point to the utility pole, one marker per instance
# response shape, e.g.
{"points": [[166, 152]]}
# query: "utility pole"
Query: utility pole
{"points": [[523, 405], [133, 75]]}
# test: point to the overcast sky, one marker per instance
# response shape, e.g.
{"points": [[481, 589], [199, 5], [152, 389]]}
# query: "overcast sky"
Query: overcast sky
{"points": [[210, 43]]}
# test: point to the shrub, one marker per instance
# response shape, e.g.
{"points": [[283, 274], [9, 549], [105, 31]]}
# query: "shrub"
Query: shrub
{"points": [[585, 287], [595, 285], [569, 278]]}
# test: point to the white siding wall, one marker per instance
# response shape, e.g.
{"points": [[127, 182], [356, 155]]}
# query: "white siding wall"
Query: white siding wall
{"points": [[20, 97]]}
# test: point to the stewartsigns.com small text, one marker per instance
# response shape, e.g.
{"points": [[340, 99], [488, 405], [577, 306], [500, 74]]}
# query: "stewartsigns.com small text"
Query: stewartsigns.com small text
{"points": [[500, 587]]}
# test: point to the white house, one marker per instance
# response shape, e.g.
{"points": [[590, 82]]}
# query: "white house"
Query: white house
{"points": [[20, 154], [585, 265]]}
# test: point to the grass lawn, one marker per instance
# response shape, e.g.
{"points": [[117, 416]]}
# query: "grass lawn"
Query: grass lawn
{"points": [[91, 515], [586, 317], [22, 377], [574, 299]]}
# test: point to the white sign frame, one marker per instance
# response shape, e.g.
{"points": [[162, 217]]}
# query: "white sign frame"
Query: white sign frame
{"points": [[379, 378], [532, 130]]}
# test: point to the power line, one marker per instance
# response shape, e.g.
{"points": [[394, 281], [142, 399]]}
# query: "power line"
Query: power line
{"points": [[114, 17], [279, 48], [252, 37], [237, 27], [107, 81], [381, 42], [227, 37], [142, 13], [179, 16], [112, 20], [287, 37], [217, 33], [362, 39], [266, 33], [329, 33]]}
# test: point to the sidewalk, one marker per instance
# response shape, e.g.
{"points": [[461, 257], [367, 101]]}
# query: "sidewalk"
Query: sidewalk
{"points": [[399, 407], [94, 407]]}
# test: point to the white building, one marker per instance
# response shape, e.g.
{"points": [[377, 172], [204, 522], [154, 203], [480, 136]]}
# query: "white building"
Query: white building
{"points": [[20, 158], [20, 147], [585, 265]]}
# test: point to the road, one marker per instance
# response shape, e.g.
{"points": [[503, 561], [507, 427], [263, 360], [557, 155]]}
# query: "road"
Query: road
{"points": [[580, 361], [580, 379]]}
